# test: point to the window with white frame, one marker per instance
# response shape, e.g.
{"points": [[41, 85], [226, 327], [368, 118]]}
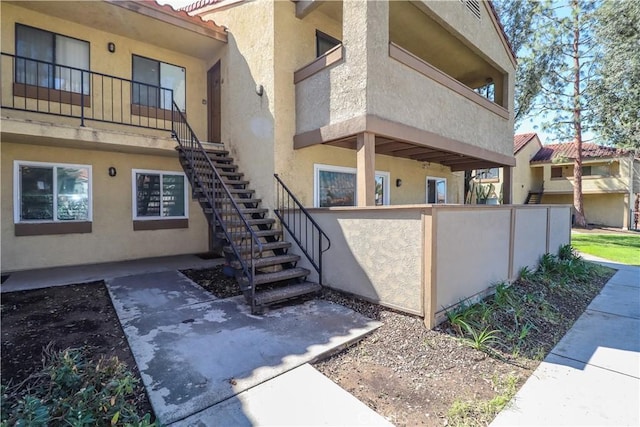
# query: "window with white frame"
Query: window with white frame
{"points": [[336, 186], [153, 78], [436, 190], [51, 60], [159, 195], [46, 192]]}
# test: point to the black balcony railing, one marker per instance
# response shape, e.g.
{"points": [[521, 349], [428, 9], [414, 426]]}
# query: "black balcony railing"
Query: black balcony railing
{"points": [[44, 87]]}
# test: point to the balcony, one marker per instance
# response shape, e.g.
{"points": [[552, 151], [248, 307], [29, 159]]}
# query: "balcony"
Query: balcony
{"points": [[66, 105], [419, 88]]}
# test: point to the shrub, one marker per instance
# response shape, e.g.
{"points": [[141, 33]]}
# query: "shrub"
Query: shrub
{"points": [[71, 390]]}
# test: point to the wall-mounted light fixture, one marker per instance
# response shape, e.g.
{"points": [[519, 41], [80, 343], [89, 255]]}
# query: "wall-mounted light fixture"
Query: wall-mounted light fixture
{"points": [[111, 46], [260, 90], [398, 182], [112, 171]]}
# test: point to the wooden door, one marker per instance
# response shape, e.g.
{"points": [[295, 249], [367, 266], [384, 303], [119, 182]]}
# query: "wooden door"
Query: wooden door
{"points": [[214, 103]]}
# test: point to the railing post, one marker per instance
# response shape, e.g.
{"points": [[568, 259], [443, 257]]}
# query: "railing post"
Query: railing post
{"points": [[81, 98]]}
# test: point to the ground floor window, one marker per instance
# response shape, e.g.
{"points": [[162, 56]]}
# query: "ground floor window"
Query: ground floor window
{"points": [[45, 192], [436, 190], [159, 195], [336, 186]]}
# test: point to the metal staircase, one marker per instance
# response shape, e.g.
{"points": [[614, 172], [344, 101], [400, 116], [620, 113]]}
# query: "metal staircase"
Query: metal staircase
{"points": [[535, 197], [252, 242]]}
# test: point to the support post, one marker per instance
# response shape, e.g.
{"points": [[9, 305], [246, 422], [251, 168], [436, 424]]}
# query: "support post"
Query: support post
{"points": [[507, 181], [366, 167]]}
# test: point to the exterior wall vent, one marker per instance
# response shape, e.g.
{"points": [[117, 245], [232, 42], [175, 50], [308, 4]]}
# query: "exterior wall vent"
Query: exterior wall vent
{"points": [[473, 6]]}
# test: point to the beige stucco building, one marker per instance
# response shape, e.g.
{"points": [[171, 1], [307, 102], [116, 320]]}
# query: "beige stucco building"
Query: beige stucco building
{"points": [[392, 99]]}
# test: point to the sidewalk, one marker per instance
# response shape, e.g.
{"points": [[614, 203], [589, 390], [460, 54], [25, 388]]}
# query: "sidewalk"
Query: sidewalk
{"points": [[592, 376]]}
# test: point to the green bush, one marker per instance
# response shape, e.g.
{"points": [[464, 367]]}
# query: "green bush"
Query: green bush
{"points": [[71, 390]]}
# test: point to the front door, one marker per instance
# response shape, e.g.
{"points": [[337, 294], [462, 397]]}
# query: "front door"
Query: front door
{"points": [[214, 103]]}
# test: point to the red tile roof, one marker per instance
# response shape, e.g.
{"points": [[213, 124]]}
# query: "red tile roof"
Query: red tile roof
{"points": [[568, 151], [520, 140], [168, 9], [199, 5]]}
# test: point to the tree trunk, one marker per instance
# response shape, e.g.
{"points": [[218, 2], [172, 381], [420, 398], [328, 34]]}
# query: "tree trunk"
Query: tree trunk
{"points": [[579, 219]]}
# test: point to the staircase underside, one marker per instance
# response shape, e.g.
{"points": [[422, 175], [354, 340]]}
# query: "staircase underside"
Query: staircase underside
{"points": [[277, 277]]}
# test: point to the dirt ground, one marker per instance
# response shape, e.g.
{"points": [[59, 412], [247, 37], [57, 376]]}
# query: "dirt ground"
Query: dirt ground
{"points": [[65, 316], [407, 373]]}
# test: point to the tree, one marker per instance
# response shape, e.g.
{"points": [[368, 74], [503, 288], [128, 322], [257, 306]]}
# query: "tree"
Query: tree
{"points": [[535, 47], [616, 93]]}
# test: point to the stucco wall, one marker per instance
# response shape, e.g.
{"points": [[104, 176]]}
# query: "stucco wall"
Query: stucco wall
{"points": [[601, 209], [530, 239], [248, 120], [112, 237], [118, 63], [375, 253]]}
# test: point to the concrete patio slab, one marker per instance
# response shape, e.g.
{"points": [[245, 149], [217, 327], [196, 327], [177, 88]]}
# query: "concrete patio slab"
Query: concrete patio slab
{"points": [[620, 299], [196, 354], [283, 401], [565, 392], [155, 292], [60, 276]]}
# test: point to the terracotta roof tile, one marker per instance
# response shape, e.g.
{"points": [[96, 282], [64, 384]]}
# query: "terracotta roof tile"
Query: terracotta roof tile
{"points": [[568, 151], [520, 140], [199, 5], [182, 14]]}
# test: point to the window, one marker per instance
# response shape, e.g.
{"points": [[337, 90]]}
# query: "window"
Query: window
{"points": [[159, 195], [556, 172], [51, 192], [153, 78], [336, 186], [596, 170], [324, 43], [51, 60], [488, 174], [436, 190]]}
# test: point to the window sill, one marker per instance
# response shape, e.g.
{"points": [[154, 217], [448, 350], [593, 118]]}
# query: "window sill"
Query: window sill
{"points": [[42, 93], [152, 112], [50, 228], [160, 224]]}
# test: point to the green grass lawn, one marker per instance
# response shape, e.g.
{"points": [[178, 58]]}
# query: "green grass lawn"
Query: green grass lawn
{"points": [[624, 248]]}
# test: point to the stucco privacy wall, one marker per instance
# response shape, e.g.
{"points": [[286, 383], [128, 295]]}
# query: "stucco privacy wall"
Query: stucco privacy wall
{"points": [[248, 120], [375, 253], [112, 237], [600, 209], [118, 63], [426, 259]]}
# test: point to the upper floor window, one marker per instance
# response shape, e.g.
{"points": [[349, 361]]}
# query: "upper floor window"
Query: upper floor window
{"points": [[556, 172], [46, 192], [155, 78], [325, 43], [596, 170], [51, 60]]}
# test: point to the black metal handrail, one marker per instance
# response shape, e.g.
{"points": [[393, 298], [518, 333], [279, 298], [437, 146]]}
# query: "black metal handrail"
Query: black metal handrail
{"points": [[244, 242], [48, 88], [301, 226]]}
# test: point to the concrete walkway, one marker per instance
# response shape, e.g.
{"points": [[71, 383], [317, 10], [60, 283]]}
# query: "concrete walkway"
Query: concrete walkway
{"points": [[207, 361], [592, 377]]}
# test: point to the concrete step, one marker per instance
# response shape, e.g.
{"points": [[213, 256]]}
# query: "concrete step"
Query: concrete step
{"points": [[236, 236], [265, 247], [269, 261], [271, 296], [278, 276]]}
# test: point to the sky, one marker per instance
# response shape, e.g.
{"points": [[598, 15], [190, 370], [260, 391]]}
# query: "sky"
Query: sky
{"points": [[176, 3]]}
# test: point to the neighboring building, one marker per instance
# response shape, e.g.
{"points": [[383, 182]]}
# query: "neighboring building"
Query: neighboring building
{"points": [[610, 180]]}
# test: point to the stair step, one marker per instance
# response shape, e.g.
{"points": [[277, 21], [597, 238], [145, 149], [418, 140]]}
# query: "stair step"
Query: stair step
{"points": [[246, 211], [284, 293], [269, 261], [244, 234], [238, 200], [251, 221], [265, 247], [231, 190], [277, 276]]}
